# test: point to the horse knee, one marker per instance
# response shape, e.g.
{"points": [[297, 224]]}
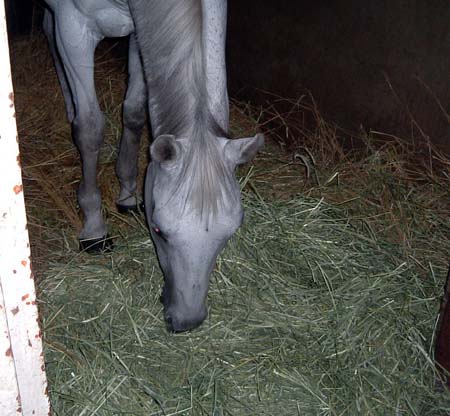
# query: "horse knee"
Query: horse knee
{"points": [[88, 130], [134, 113]]}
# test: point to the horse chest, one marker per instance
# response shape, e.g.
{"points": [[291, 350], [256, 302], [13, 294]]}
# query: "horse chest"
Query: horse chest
{"points": [[107, 18], [114, 21]]}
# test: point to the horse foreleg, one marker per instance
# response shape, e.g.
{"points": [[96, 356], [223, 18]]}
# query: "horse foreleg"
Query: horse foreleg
{"points": [[76, 46], [49, 30], [133, 121]]}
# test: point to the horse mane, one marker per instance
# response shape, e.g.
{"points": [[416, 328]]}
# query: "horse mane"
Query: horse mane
{"points": [[169, 34]]}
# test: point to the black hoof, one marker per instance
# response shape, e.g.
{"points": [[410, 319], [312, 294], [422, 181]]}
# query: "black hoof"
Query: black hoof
{"points": [[97, 245], [128, 209]]}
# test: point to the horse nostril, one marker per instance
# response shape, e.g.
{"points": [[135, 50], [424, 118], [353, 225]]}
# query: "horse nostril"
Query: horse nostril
{"points": [[169, 323], [164, 297]]}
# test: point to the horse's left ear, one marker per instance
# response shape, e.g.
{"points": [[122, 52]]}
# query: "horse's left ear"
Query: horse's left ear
{"points": [[240, 151]]}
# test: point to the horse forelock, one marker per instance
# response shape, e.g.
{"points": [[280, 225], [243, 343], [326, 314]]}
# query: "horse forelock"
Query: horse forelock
{"points": [[205, 182]]}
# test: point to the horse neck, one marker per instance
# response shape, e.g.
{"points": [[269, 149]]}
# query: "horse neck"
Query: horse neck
{"points": [[183, 48], [169, 33]]}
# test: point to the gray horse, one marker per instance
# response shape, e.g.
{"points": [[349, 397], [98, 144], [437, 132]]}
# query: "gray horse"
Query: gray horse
{"points": [[176, 68]]}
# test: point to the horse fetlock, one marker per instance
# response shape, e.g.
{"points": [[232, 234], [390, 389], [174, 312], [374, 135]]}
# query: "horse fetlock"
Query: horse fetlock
{"points": [[94, 227], [91, 204], [89, 198]]}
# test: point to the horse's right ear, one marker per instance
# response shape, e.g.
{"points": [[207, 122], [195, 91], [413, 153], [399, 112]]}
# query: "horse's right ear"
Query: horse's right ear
{"points": [[165, 149]]}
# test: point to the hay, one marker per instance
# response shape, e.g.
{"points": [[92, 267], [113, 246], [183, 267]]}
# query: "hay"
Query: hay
{"points": [[325, 302], [309, 315]]}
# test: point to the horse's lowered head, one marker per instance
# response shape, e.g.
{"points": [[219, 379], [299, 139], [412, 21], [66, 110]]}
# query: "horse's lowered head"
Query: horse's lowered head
{"points": [[192, 202]]}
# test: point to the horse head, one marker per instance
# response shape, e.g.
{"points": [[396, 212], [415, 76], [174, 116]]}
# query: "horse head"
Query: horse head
{"points": [[193, 208]]}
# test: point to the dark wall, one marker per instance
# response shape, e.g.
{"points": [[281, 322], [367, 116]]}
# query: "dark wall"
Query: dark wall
{"points": [[342, 51], [20, 15]]}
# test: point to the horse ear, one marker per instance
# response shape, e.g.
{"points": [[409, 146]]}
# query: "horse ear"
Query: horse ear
{"points": [[165, 149], [240, 151]]}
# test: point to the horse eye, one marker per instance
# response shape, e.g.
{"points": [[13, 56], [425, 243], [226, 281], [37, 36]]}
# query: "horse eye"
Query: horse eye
{"points": [[158, 232], [155, 228]]}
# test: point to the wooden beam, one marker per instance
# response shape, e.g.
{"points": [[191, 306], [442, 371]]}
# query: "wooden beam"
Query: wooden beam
{"points": [[23, 385]]}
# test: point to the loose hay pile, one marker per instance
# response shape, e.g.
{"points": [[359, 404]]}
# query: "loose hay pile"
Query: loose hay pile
{"points": [[308, 316], [316, 308]]}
